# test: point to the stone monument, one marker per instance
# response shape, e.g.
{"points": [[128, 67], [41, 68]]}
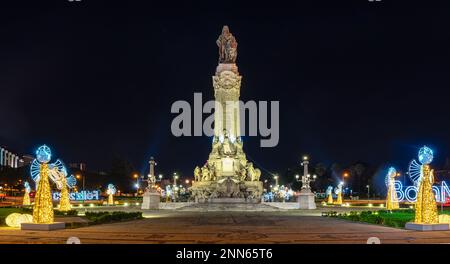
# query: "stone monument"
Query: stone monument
{"points": [[227, 176], [306, 197], [151, 197]]}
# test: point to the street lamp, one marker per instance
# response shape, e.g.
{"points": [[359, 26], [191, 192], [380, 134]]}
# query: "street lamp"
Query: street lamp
{"points": [[368, 191], [78, 176], [175, 178], [136, 176]]}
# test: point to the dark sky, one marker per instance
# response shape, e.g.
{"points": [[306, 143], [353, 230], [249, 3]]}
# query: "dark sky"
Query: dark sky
{"points": [[356, 80]]}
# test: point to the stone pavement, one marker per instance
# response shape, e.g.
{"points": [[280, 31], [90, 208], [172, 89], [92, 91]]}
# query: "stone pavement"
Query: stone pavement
{"points": [[228, 227]]}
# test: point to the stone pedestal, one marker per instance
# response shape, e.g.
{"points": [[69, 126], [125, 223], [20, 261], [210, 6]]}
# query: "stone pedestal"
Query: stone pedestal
{"points": [[150, 200], [426, 227], [306, 200], [43, 227]]}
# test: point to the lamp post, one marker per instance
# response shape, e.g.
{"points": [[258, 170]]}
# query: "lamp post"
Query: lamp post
{"points": [[136, 176], [368, 191], [276, 182], [78, 176], [175, 187], [344, 176]]}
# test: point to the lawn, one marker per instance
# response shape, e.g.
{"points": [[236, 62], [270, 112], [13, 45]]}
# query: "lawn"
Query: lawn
{"points": [[396, 218]]}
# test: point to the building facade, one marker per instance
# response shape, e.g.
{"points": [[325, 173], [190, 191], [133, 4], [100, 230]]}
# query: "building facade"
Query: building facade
{"points": [[9, 159]]}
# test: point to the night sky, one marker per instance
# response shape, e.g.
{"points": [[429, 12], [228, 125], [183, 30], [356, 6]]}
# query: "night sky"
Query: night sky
{"points": [[356, 80]]}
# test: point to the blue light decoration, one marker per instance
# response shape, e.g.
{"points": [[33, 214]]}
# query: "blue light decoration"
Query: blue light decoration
{"points": [[43, 154], [338, 189], [57, 169], [27, 187], [415, 168], [111, 189], [425, 155], [329, 190], [392, 172]]}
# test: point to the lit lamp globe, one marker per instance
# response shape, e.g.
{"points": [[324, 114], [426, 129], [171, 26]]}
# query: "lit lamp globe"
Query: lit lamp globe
{"points": [[425, 155]]}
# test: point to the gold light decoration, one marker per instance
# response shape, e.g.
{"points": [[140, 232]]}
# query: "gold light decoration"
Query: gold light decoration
{"points": [[16, 219], [391, 199], [338, 192], [43, 203], [12, 219], [423, 177], [111, 191], [330, 198], [426, 208], [26, 196], [339, 198], [64, 202]]}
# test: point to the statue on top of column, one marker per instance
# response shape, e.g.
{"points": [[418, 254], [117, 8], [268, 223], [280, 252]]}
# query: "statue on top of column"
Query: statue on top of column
{"points": [[227, 46]]}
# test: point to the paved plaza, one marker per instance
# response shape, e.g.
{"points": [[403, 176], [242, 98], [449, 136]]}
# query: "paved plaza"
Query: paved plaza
{"points": [[228, 227]]}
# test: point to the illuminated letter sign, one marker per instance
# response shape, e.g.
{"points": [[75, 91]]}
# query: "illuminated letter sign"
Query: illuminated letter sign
{"points": [[80, 196], [410, 192]]}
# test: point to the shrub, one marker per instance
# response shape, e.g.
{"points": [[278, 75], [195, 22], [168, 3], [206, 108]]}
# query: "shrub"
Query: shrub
{"points": [[66, 213], [108, 217]]}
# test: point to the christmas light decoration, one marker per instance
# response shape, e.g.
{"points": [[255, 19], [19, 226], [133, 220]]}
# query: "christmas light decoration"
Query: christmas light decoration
{"points": [[111, 191], [63, 182], [329, 193], [391, 199], [16, 219], [41, 171], [338, 192], [423, 178], [26, 196]]}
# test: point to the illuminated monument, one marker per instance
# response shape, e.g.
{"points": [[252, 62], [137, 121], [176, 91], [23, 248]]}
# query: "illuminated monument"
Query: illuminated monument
{"points": [[426, 216], [227, 173], [151, 197]]}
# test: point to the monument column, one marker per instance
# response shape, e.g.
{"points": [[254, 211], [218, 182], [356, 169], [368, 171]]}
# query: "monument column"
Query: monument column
{"points": [[151, 197], [306, 199], [227, 174]]}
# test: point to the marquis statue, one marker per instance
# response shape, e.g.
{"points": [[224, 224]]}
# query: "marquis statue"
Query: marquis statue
{"points": [[227, 46]]}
